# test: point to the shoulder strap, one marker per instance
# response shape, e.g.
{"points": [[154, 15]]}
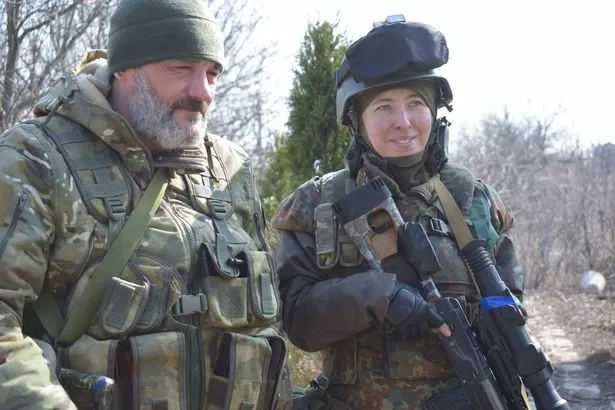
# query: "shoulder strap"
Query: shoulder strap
{"points": [[455, 218], [333, 185], [113, 262], [462, 233], [97, 170], [453, 213]]}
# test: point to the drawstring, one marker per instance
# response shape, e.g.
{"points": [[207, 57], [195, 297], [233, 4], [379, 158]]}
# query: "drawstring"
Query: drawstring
{"points": [[210, 161], [61, 99], [58, 103]]}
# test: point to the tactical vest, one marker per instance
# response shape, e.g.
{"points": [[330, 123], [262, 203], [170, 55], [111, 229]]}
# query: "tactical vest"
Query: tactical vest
{"points": [[209, 343], [374, 354]]}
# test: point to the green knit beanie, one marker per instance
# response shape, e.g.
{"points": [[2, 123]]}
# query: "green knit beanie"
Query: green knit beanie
{"points": [[145, 31]]}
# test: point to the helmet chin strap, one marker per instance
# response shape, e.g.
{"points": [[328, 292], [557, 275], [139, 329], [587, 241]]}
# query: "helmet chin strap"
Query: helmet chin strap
{"points": [[437, 146], [355, 150]]}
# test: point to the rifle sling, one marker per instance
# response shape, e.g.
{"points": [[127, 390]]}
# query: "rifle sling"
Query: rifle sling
{"points": [[462, 233], [69, 330], [455, 218]]}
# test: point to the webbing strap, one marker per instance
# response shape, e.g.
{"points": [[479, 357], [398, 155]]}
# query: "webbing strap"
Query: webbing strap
{"points": [[48, 312], [112, 263], [462, 235], [453, 214], [455, 218]]}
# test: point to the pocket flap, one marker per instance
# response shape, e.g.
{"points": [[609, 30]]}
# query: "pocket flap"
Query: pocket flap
{"points": [[327, 252], [122, 306], [263, 286]]}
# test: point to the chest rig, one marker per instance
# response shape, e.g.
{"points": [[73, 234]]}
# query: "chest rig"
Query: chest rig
{"points": [[105, 188], [334, 246], [104, 184], [374, 354]]}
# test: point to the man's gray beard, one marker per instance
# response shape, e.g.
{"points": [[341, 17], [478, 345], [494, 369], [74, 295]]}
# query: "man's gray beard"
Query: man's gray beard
{"points": [[153, 120]]}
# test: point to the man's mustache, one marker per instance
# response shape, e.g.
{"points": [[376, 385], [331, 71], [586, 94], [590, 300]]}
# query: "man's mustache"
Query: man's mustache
{"points": [[190, 104]]}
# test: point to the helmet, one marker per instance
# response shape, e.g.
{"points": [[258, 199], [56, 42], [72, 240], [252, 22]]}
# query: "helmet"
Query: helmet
{"points": [[392, 53]]}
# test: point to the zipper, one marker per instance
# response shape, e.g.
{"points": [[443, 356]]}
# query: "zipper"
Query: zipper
{"points": [[195, 373], [259, 232], [192, 251], [19, 207]]}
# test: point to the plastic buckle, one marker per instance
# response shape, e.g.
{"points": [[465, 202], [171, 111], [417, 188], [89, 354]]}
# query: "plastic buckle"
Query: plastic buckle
{"points": [[115, 207], [218, 208], [189, 304], [320, 382], [440, 227]]}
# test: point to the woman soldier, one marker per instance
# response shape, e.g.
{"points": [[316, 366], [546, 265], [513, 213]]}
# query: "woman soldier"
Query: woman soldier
{"points": [[373, 325]]}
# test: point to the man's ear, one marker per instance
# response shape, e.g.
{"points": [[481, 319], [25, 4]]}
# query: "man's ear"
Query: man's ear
{"points": [[120, 75], [125, 78]]}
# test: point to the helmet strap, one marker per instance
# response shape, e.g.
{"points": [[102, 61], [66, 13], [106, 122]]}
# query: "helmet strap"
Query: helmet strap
{"points": [[437, 148]]}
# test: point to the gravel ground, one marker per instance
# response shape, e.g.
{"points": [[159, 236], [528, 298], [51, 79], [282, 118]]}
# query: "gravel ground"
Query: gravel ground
{"points": [[577, 332]]}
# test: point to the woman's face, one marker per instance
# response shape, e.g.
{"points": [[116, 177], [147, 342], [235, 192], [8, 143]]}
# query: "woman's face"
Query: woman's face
{"points": [[397, 122]]}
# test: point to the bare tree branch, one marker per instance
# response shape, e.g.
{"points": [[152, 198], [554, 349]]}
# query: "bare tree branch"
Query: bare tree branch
{"points": [[243, 110], [40, 40], [560, 195]]}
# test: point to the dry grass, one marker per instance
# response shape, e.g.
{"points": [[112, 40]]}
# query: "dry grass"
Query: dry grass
{"points": [[303, 366]]}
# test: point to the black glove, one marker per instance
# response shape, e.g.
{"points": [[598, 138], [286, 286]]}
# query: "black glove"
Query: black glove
{"points": [[409, 314]]}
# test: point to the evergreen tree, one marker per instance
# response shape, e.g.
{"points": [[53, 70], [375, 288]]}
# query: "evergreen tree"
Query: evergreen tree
{"points": [[278, 180], [314, 136]]}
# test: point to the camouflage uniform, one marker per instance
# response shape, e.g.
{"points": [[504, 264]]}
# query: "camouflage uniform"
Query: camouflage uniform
{"points": [[340, 306], [220, 355]]}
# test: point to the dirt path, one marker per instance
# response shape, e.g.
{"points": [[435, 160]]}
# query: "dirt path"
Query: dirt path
{"points": [[577, 332]]}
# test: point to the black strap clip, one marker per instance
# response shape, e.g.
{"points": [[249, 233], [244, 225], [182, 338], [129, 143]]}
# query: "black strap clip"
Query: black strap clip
{"points": [[439, 227]]}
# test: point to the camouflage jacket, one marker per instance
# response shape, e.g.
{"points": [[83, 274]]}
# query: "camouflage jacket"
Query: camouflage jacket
{"points": [[174, 329], [339, 306]]}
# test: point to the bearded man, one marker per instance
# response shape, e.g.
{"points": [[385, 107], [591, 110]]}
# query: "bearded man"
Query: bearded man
{"points": [[134, 270]]}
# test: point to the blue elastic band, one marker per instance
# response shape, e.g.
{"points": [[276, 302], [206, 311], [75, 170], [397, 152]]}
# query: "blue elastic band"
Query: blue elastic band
{"points": [[494, 302], [101, 383]]}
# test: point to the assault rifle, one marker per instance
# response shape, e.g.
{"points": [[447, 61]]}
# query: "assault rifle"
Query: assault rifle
{"points": [[494, 360]]}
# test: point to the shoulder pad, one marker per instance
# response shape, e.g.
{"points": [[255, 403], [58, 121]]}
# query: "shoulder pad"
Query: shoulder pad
{"points": [[501, 214], [296, 212], [460, 182]]}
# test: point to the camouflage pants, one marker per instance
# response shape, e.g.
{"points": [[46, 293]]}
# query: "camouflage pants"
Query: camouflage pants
{"points": [[389, 394]]}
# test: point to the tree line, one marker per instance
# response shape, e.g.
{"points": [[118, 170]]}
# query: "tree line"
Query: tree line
{"points": [[560, 194]]}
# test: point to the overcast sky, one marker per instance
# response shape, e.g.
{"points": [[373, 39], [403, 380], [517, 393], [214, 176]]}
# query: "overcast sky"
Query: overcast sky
{"points": [[533, 57]]}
